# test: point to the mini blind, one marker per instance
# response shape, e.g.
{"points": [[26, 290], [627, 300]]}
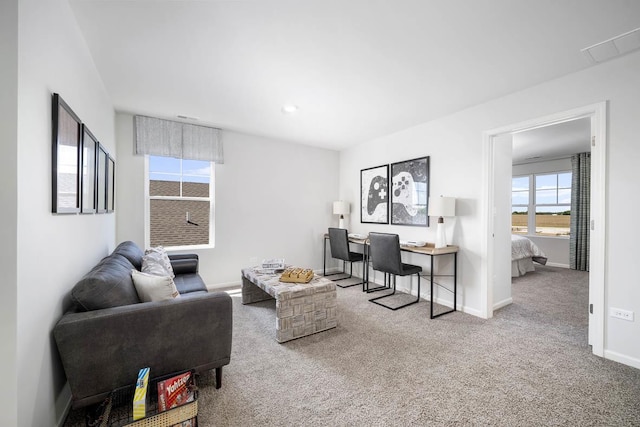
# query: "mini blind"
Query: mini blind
{"points": [[167, 138]]}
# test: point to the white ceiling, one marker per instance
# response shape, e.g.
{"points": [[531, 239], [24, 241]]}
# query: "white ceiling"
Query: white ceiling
{"points": [[552, 142], [357, 69]]}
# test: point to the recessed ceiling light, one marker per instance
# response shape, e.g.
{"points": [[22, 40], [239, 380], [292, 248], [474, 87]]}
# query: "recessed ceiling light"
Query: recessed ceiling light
{"points": [[289, 108]]}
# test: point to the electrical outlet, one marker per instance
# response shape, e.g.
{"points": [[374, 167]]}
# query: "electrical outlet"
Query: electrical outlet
{"points": [[621, 314]]}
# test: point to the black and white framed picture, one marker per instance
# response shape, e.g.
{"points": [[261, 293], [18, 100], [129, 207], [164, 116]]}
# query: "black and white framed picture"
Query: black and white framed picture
{"points": [[65, 167], [101, 181], [410, 192], [111, 184], [88, 171], [374, 195]]}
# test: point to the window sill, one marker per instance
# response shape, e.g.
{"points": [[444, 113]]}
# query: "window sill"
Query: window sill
{"points": [[188, 248]]}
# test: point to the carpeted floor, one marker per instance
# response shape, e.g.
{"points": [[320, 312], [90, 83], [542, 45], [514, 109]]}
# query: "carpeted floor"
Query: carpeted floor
{"points": [[530, 365]]}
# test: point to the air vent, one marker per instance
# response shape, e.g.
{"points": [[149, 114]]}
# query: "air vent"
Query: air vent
{"points": [[183, 117], [614, 47]]}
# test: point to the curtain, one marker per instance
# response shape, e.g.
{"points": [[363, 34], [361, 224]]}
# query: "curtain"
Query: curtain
{"points": [[580, 211], [167, 138]]}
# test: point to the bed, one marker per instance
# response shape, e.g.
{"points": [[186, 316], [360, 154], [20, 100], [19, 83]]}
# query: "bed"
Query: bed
{"points": [[523, 253]]}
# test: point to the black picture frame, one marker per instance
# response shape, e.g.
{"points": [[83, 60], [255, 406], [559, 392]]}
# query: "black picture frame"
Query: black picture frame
{"points": [[101, 179], [65, 158], [410, 192], [111, 184], [374, 195], [88, 155]]}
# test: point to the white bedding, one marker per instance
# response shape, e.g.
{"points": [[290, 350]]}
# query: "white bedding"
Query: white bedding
{"points": [[523, 253]]}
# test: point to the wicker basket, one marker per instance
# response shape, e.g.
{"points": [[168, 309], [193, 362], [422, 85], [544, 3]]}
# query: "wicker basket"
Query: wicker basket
{"points": [[117, 409]]}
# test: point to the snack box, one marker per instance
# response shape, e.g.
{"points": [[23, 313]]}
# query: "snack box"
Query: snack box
{"points": [[140, 395]]}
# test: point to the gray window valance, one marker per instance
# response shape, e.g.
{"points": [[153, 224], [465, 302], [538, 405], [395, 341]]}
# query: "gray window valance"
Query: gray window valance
{"points": [[167, 138]]}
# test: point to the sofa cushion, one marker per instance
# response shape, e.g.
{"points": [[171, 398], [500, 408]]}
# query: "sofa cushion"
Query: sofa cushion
{"points": [[130, 251], [187, 283], [153, 288], [108, 284]]}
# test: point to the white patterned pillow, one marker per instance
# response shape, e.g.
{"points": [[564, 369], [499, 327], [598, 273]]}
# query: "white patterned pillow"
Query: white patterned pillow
{"points": [[153, 288], [156, 261]]}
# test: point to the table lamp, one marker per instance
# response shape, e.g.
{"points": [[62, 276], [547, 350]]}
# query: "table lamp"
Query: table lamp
{"points": [[441, 207], [341, 208]]}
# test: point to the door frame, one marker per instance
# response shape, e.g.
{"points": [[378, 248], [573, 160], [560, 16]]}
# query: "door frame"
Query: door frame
{"points": [[597, 254]]}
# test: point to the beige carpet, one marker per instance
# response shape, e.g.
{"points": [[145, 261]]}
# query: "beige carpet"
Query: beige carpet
{"points": [[529, 365]]}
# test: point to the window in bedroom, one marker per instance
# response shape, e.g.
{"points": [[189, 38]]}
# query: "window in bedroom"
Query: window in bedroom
{"points": [[541, 204], [180, 202], [553, 204], [520, 204]]}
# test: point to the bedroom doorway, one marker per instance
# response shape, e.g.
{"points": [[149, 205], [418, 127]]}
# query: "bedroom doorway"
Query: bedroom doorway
{"points": [[497, 153]]}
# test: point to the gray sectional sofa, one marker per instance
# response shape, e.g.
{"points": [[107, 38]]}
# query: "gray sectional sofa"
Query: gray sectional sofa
{"points": [[108, 335]]}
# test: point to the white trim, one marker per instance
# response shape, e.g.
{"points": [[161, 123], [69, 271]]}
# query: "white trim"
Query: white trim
{"points": [[555, 264], [621, 358], [503, 303], [598, 114]]}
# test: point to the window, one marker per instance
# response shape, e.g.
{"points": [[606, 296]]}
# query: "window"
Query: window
{"points": [[520, 205], [541, 202], [180, 202]]}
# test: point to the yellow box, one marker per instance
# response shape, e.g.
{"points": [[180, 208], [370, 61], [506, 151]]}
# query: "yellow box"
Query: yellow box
{"points": [[140, 395]]}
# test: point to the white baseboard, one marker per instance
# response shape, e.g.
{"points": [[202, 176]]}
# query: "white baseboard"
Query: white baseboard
{"points": [[223, 286], [503, 303], [621, 358], [555, 264]]}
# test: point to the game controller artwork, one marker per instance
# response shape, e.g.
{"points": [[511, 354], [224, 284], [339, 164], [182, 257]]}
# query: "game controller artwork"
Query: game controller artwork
{"points": [[410, 192], [375, 195]]}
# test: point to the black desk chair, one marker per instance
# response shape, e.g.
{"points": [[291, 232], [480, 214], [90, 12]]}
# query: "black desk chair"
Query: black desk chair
{"points": [[385, 257], [339, 244]]}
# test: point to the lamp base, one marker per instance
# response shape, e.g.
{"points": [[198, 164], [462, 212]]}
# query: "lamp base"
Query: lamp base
{"points": [[441, 238], [341, 222]]}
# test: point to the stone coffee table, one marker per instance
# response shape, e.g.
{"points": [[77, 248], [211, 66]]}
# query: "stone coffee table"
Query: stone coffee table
{"points": [[301, 308]]}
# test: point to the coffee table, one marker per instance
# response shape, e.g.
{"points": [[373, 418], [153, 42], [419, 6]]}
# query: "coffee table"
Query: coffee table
{"points": [[301, 308]]}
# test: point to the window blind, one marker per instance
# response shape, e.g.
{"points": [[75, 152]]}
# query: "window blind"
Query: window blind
{"points": [[158, 137]]}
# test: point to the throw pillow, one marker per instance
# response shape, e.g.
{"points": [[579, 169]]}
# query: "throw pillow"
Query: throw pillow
{"points": [[158, 255], [154, 288]]}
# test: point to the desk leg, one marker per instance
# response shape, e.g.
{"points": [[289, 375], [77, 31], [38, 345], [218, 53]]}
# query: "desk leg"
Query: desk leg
{"points": [[455, 287], [431, 283]]}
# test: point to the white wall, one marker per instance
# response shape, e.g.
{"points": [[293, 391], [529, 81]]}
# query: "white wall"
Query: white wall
{"points": [[8, 201], [272, 199], [455, 146], [555, 248], [53, 251]]}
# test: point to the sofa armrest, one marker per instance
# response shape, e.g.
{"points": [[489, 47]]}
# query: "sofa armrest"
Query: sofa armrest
{"points": [[104, 349], [184, 263]]}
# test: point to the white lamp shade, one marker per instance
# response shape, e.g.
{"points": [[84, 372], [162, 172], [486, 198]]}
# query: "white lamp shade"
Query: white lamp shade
{"points": [[341, 208], [442, 206]]}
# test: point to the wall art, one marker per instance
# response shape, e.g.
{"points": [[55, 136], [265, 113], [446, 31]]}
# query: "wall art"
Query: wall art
{"points": [[374, 195], [410, 192]]}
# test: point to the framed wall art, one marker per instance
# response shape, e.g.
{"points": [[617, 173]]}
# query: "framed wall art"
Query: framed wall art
{"points": [[374, 195], [410, 192], [88, 171], [111, 184], [101, 181], [65, 164]]}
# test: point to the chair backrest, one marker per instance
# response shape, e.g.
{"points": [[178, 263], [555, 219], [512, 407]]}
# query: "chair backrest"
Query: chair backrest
{"points": [[385, 252], [339, 243]]}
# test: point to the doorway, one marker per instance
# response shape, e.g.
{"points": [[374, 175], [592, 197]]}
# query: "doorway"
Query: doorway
{"points": [[497, 153]]}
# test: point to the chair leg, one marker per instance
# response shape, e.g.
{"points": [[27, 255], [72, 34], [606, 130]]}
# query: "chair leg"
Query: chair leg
{"points": [[348, 277], [379, 288], [375, 300]]}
